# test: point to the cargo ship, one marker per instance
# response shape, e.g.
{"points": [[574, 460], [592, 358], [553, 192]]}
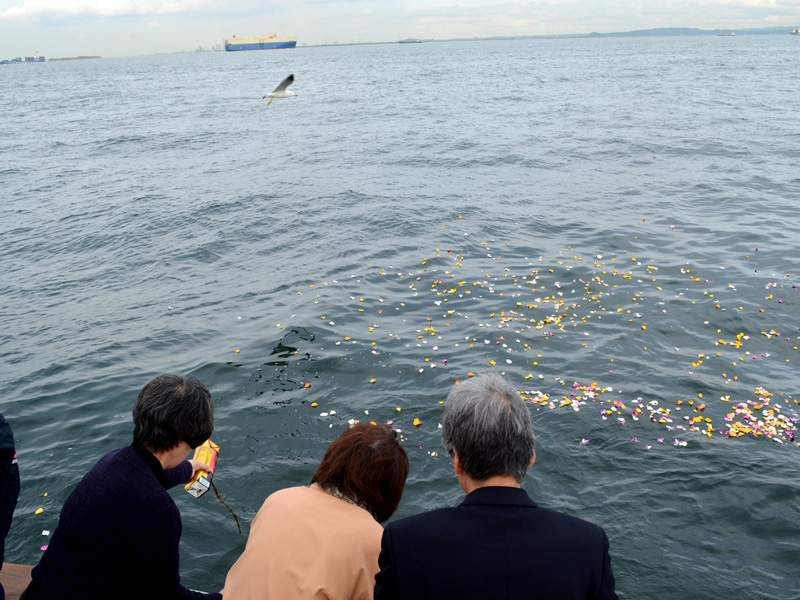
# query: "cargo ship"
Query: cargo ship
{"points": [[36, 58], [268, 42]]}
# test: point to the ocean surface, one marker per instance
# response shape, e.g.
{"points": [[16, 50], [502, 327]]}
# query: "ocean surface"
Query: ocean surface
{"points": [[612, 223]]}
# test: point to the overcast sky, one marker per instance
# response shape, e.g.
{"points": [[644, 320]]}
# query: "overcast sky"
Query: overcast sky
{"points": [[58, 28]]}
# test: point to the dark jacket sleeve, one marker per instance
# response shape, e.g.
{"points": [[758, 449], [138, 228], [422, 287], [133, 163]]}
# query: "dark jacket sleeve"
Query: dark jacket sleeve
{"points": [[178, 475], [9, 482], [158, 556], [385, 588], [607, 578]]}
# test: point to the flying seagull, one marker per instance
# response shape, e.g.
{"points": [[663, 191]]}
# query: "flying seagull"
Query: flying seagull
{"points": [[281, 91]]}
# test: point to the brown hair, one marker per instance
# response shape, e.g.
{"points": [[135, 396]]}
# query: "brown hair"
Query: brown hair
{"points": [[367, 465]]}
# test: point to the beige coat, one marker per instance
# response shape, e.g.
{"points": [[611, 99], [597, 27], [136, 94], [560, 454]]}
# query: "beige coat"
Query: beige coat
{"points": [[306, 544]]}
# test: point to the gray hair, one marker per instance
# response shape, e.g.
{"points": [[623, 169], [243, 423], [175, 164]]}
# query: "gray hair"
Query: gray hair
{"points": [[487, 424]]}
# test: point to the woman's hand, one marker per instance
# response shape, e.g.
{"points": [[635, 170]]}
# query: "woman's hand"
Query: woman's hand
{"points": [[198, 466]]}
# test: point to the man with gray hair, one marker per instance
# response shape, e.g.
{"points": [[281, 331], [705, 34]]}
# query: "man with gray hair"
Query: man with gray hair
{"points": [[497, 543]]}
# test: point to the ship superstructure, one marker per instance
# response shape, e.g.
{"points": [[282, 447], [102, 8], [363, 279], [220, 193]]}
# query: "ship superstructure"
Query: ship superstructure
{"points": [[268, 42]]}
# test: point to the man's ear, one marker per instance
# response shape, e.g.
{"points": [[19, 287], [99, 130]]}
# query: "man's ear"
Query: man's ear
{"points": [[533, 459], [457, 466]]}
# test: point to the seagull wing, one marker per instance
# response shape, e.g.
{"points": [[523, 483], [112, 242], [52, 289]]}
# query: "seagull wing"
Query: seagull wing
{"points": [[284, 84]]}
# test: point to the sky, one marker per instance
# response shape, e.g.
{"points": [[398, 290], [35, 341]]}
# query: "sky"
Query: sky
{"points": [[113, 28]]}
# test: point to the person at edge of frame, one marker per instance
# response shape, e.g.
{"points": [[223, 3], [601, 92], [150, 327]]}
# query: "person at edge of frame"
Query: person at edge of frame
{"points": [[9, 486]]}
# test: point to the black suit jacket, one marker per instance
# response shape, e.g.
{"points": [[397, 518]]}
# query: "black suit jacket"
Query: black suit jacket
{"points": [[496, 544]]}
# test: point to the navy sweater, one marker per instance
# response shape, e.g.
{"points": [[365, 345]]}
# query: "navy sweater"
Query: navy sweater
{"points": [[118, 534]]}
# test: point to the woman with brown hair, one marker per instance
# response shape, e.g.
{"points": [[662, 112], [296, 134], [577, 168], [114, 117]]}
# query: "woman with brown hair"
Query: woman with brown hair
{"points": [[323, 541]]}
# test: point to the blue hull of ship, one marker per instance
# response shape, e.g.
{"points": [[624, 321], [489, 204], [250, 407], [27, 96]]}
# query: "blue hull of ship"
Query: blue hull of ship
{"points": [[265, 46], [19, 61]]}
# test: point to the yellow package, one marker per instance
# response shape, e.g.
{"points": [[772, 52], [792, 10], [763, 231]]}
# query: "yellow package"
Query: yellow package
{"points": [[207, 453]]}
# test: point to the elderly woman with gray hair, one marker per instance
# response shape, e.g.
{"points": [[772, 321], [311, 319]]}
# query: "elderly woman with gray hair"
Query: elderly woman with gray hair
{"points": [[497, 543]]}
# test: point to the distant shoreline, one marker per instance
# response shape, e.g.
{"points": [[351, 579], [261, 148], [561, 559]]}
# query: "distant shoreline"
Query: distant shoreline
{"points": [[659, 32]]}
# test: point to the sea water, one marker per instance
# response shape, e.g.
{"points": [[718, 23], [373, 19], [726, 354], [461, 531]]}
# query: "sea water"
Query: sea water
{"points": [[611, 223]]}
